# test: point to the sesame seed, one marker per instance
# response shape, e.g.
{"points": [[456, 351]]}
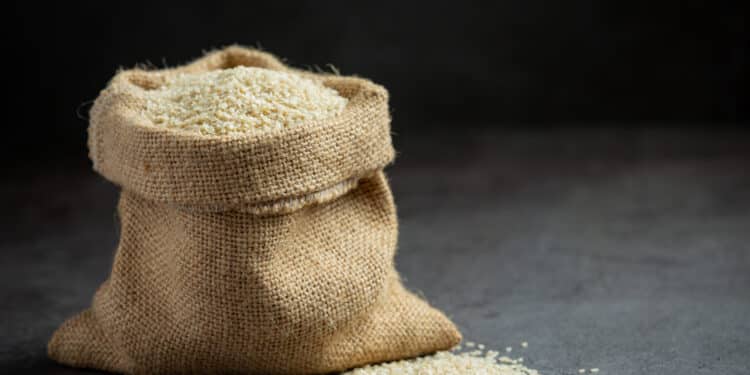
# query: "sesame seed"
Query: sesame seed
{"points": [[446, 362], [239, 100]]}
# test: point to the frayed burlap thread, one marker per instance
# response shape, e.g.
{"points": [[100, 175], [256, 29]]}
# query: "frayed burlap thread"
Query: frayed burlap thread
{"points": [[266, 253]]}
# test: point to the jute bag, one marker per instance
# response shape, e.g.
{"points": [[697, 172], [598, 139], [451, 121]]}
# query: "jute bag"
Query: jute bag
{"points": [[267, 253]]}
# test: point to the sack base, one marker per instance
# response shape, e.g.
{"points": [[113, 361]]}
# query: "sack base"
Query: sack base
{"points": [[400, 326]]}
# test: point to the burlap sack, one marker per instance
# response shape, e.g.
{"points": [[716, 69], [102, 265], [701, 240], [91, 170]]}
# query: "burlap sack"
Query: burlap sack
{"points": [[265, 253]]}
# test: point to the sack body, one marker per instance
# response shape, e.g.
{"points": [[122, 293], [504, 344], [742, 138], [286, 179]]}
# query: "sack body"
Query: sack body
{"points": [[266, 253]]}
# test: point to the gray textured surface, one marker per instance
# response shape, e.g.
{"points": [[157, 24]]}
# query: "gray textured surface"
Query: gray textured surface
{"points": [[622, 250]]}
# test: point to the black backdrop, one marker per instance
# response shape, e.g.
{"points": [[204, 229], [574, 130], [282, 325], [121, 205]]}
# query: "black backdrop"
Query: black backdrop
{"points": [[533, 63]]}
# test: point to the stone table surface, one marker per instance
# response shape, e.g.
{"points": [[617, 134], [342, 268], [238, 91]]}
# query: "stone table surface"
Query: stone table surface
{"points": [[625, 250]]}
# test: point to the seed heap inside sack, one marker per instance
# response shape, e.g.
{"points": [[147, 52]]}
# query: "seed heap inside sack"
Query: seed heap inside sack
{"points": [[240, 100]]}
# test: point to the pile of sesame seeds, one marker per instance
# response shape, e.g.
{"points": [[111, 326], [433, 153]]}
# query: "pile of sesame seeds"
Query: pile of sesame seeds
{"points": [[470, 359], [473, 359], [240, 100]]}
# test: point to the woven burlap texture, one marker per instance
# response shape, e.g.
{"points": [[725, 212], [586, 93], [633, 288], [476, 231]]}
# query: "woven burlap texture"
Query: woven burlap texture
{"points": [[266, 253]]}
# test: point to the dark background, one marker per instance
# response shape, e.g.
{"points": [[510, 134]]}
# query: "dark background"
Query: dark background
{"points": [[575, 174], [497, 63]]}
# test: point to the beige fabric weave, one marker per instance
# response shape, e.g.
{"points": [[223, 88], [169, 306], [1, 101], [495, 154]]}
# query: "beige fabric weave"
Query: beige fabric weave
{"points": [[263, 253]]}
